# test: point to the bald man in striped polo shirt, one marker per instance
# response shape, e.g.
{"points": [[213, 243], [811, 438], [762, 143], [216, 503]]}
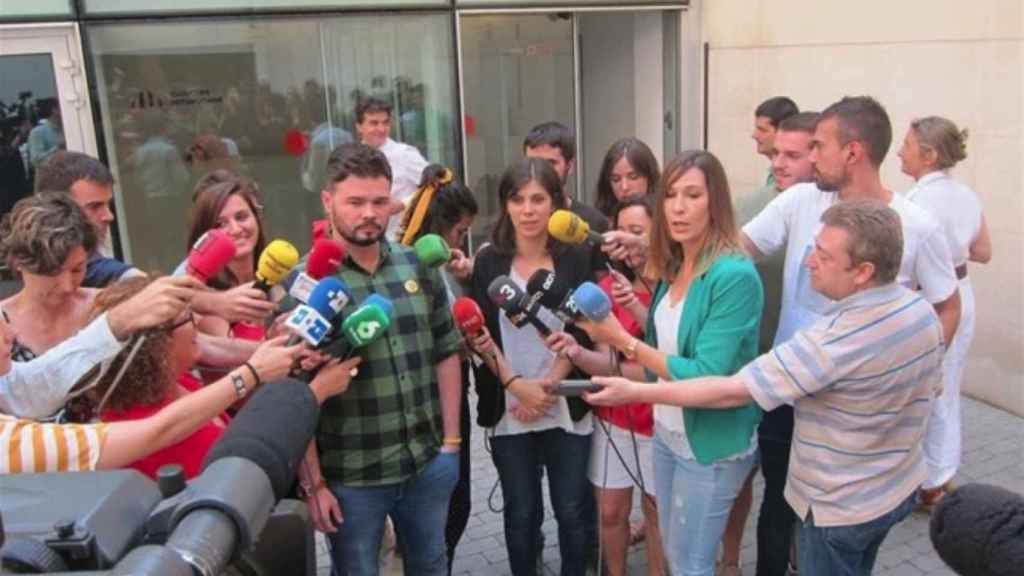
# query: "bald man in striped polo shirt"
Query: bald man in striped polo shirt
{"points": [[861, 381]]}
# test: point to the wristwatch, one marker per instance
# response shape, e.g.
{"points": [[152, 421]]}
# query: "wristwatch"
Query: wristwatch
{"points": [[239, 383]]}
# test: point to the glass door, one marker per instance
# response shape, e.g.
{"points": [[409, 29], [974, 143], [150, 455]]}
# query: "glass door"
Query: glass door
{"points": [[517, 71], [606, 74], [43, 104]]}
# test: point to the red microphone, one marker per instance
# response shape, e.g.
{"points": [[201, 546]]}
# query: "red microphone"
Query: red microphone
{"points": [[468, 316], [325, 258], [209, 255], [323, 261]]}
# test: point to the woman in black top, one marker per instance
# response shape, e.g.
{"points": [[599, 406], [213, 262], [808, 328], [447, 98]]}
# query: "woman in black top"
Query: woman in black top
{"points": [[529, 426]]}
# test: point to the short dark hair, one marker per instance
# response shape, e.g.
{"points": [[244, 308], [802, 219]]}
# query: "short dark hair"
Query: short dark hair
{"points": [[369, 105], [355, 159], [642, 160], [554, 134], [776, 109], [515, 177], [863, 119], [802, 122], [63, 168]]}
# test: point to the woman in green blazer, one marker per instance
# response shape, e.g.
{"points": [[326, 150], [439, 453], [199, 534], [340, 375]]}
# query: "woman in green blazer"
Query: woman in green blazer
{"points": [[704, 321]]}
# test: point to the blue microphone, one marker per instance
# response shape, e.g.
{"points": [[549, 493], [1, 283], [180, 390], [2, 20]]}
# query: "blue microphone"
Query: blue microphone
{"points": [[592, 302], [312, 321]]}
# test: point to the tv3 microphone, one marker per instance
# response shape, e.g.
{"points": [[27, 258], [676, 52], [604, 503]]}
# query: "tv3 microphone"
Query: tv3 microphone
{"points": [[311, 322], [504, 292], [324, 260]]}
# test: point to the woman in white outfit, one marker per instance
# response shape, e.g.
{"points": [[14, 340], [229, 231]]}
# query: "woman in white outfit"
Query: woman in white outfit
{"points": [[931, 148]]}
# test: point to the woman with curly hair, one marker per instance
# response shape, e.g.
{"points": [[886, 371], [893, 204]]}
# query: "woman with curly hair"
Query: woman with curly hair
{"points": [[138, 385]]}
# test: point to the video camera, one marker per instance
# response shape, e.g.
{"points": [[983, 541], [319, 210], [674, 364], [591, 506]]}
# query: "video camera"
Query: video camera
{"points": [[231, 519]]}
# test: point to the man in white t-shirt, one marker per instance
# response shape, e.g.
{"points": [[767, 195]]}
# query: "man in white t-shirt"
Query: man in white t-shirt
{"points": [[373, 125], [850, 142]]}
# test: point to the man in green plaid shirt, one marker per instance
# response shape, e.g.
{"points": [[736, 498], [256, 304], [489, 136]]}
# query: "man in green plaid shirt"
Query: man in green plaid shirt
{"points": [[390, 444]]}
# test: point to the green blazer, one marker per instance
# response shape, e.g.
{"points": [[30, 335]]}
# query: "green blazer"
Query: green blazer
{"points": [[718, 335]]}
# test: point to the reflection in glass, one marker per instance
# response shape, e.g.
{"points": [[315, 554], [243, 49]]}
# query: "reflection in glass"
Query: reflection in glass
{"points": [[30, 126], [269, 98]]}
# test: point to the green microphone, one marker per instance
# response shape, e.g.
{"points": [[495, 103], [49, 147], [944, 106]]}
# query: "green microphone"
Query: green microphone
{"points": [[432, 250], [369, 322]]}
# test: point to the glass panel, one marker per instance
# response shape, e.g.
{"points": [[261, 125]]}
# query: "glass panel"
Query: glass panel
{"points": [[30, 8], [517, 73], [625, 66], [532, 3], [30, 123], [269, 98], [193, 6]]}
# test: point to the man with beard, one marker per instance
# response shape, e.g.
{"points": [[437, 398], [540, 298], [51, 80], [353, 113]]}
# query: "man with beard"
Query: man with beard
{"points": [[388, 447], [850, 141]]}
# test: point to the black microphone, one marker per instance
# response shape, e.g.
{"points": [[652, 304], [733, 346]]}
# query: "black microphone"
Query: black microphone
{"points": [[545, 289], [978, 530], [504, 292]]}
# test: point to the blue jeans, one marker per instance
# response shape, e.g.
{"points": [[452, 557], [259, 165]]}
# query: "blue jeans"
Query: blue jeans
{"points": [[419, 508], [847, 550], [694, 501], [565, 456]]}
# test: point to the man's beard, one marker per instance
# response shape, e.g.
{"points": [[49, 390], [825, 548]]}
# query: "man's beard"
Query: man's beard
{"points": [[352, 238], [826, 185]]}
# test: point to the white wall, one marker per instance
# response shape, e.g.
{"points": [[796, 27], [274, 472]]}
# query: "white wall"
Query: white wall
{"points": [[962, 60]]}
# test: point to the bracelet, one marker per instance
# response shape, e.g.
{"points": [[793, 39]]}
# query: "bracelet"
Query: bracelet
{"points": [[509, 382], [255, 375], [452, 440]]}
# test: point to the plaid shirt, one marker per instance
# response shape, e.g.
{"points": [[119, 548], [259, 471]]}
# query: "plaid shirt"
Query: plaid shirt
{"points": [[387, 425]]}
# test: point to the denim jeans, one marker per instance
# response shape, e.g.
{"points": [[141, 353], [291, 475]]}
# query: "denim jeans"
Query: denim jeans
{"points": [[419, 508], [565, 456], [847, 550], [694, 501]]}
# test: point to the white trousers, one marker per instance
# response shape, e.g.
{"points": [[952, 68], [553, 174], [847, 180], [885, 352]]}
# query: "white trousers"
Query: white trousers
{"points": [[942, 439]]}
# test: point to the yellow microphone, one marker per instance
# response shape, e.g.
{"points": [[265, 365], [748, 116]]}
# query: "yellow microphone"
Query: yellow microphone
{"points": [[571, 229], [276, 261]]}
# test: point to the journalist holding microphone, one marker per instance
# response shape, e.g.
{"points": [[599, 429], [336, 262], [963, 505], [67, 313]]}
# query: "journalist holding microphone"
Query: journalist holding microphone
{"points": [[531, 427], [703, 321], [390, 445]]}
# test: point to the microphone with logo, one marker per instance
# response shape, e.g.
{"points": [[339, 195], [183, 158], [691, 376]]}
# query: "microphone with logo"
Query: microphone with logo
{"points": [[311, 322], [276, 261], [469, 319], [209, 255], [504, 292], [432, 250], [592, 302], [368, 323], [324, 260], [569, 228]]}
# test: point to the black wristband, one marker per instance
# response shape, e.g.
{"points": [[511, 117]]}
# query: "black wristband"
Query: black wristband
{"points": [[255, 374], [511, 379]]}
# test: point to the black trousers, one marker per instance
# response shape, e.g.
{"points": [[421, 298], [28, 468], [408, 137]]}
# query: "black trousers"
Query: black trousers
{"points": [[776, 521]]}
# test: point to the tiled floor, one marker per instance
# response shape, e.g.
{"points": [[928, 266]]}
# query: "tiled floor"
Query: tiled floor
{"points": [[993, 453]]}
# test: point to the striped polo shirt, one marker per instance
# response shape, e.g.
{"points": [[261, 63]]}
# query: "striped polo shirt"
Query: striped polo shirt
{"points": [[27, 446], [861, 382]]}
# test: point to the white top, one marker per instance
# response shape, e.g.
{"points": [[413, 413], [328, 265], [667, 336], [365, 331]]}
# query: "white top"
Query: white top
{"points": [[38, 388], [527, 356], [955, 206], [668, 420], [407, 166], [793, 219]]}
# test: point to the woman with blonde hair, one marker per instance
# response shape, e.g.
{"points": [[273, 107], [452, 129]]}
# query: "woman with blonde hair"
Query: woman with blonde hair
{"points": [[703, 321], [931, 148]]}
